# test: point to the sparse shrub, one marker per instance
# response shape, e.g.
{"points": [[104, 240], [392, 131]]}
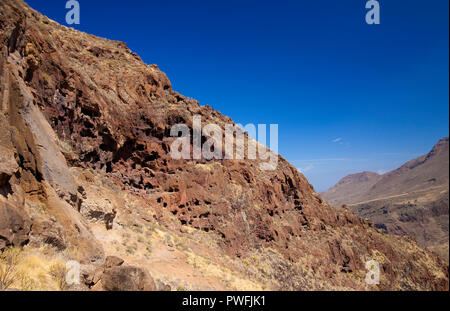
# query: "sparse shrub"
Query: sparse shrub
{"points": [[8, 262], [150, 228], [129, 250], [255, 260], [137, 229], [149, 247], [58, 273], [27, 283]]}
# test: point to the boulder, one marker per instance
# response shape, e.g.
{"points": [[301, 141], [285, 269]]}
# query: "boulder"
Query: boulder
{"points": [[91, 274], [127, 278], [113, 261]]}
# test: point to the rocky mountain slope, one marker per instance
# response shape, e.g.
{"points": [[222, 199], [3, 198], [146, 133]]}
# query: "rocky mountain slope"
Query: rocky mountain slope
{"points": [[427, 171], [86, 175], [412, 199]]}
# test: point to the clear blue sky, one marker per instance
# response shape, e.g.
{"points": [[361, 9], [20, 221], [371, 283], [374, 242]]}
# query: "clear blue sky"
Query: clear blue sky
{"points": [[315, 67]]}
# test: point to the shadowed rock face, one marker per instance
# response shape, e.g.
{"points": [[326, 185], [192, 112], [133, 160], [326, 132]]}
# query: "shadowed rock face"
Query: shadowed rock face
{"points": [[72, 99]]}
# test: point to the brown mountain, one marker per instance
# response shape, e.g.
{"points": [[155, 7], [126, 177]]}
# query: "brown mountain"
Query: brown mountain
{"points": [[351, 188], [412, 199], [86, 175]]}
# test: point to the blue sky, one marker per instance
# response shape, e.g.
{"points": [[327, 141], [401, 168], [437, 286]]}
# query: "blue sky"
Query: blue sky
{"points": [[347, 96]]}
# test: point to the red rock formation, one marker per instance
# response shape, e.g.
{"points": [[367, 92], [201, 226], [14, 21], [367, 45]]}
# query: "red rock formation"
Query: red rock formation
{"points": [[70, 98]]}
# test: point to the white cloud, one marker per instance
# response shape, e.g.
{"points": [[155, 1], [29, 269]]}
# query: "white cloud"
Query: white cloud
{"points": [[330, 160], [382, 172], [337, 140], [306, 169]]}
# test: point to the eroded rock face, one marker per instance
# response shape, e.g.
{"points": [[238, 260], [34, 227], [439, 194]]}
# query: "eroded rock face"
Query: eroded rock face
{"points": [[8, 163], [115, 114], [97, 208], [33, 171], [74, 99], [14, 226], [14, 221]]}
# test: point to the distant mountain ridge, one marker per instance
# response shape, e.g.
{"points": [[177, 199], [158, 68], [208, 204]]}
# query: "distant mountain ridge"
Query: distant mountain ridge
{"points": [[411, 200], [424, 172], [344, 190]]}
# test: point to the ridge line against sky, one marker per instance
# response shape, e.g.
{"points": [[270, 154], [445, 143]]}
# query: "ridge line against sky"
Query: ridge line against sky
{"points": [[337, 87]]}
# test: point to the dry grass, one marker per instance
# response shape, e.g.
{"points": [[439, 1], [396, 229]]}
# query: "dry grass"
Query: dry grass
{"points": [[30, 269], [8, 268]]}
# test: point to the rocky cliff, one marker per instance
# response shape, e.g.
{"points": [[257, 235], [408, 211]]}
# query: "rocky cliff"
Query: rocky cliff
{"points": [[85, 171]]}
